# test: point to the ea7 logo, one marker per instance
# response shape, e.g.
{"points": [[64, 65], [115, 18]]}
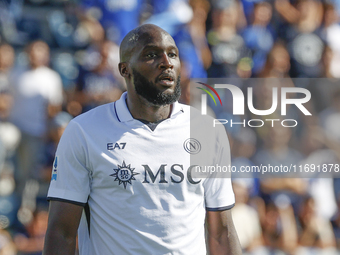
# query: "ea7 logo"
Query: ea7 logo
{"points": [[115, 146], [238, 100]]}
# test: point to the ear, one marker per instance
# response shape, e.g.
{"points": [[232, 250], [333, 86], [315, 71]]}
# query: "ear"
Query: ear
{"points": [[124, 69]]}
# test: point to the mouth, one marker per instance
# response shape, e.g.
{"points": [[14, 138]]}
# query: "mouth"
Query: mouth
{"points": [[166, 79]]}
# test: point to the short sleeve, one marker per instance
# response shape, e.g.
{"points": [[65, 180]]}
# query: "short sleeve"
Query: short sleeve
{"points": [[70, 174], [218, 191]]}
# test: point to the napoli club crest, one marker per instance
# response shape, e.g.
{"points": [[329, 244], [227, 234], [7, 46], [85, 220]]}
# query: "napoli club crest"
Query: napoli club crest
{"points": [[124, 174], [192, 146]]}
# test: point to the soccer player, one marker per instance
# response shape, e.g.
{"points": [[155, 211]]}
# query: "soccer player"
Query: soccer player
{"points": [[122, 171]]}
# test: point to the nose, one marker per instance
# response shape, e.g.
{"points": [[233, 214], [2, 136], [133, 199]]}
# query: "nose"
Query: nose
{"points": [[165, 62]]}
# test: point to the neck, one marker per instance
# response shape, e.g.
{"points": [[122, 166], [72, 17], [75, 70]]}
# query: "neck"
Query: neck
{"points": [[140, 108], [33, 67]]}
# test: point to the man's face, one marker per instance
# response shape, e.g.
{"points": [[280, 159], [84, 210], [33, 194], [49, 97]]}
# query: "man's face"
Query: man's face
{"points": [[39, 54], [155, 69], [151, 93]]}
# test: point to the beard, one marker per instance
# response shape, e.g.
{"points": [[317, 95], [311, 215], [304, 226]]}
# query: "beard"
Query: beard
{"points": [[152, 94]]}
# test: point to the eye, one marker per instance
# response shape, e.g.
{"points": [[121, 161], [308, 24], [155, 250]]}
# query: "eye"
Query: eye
{"points": [[172, 55], [151, 55]]}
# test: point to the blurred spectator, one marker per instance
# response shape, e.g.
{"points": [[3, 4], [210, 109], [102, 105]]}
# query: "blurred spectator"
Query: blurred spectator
{"points": [[190, 55], [10, 12], [9, 201], [330, 118], [243, 147], [9, 141], [246, 220], [277, 63], [170, 15], [117, 17], [323, 89], [87, 59], [263, 94], [7, 246], [33, 242], [197, 29], [2, 155], [279, 226], [97, 83], [92, 30], [267, 97], [332, 37], [6, 62], [277, 152], [315, 233], [336, 224], [7, 57], [57, 127], [230, 56], [9, 134], [276, 149], [303, 35], [319, 150], [259, 36], [37, 97]]}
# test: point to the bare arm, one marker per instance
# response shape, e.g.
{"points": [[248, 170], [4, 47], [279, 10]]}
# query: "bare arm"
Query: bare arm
{"points": [[62, 228], [222, 236]]}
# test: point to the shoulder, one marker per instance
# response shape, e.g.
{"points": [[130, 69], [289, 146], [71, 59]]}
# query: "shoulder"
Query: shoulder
{"points": [[44, 70], [96, 115], [47, 74], [87, 126]]}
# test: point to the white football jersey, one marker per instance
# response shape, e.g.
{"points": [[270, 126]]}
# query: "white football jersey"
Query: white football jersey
{"points": [[141, 193]]}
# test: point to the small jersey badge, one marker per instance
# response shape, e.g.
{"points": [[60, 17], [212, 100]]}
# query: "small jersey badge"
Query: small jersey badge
{"points": [[124, 174], [55, 167], [192, 146]]}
